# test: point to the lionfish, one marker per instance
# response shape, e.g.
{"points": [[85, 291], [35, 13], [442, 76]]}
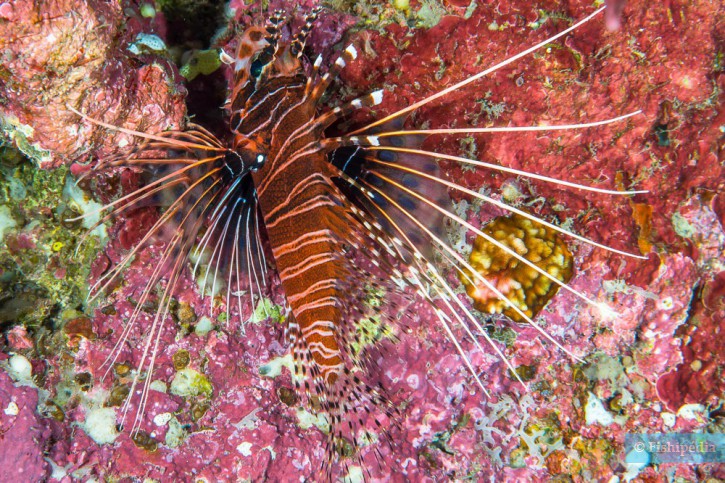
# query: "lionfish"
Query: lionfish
{"points": [[346, 217]]}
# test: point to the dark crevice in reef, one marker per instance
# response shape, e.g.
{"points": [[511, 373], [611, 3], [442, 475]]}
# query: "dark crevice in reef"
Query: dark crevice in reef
{"points": [[26, 303], [205, 100], [194, 24]]}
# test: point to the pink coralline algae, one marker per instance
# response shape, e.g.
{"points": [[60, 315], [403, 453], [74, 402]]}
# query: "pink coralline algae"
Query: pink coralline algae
{"points": [[24, 433], [696, 379], [62, 53], [652, 365]]}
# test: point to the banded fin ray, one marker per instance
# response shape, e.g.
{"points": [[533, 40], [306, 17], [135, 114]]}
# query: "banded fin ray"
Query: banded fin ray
{"points": [[475, 77], [187, 169], [357, 156], [456, 261], [353, 162]]}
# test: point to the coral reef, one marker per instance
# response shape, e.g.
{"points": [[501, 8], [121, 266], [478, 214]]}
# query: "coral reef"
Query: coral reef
{"points": [[65, 53], [220, 406]]}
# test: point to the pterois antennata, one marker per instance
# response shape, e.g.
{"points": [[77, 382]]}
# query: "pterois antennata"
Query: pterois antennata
{"points": [[351, 223]]}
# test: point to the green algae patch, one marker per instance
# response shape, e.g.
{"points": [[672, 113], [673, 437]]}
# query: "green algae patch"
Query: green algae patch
{"points": [[203, 326], [429, 14], [176, 434], [375, 15], [7, 222], [274, 367], [190, 383], [266, 309], [604, 367], [305, 420], [44, 269], [682, 227], [21, 135], [147, 10], [370, 331]]}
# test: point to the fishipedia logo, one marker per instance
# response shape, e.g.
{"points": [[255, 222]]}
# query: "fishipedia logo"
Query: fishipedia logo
{"points": [[690, 448]]}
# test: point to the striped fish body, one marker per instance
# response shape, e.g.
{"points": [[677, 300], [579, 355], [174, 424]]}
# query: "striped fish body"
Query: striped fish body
{"points": [[302, 209], [303, 220]]}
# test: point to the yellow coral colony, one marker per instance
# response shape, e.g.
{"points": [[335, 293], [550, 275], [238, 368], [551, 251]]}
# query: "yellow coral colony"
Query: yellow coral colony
{"points": [[522, 284]]}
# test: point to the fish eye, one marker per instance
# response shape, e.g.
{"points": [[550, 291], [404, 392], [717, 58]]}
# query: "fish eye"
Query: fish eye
{"points": [[259, 161], [260, 60], [256, 68]]}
